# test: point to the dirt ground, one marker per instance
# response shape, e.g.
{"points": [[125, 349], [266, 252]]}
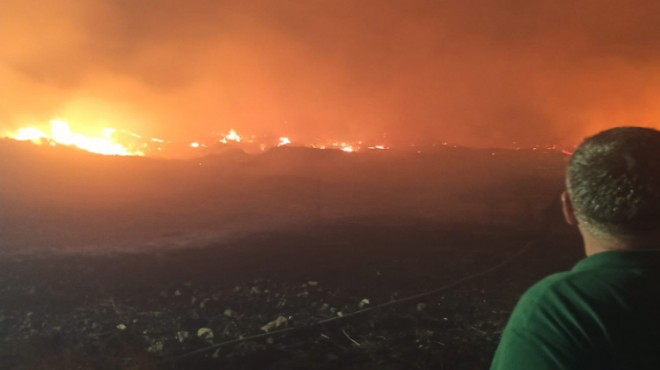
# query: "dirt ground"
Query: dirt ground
{"points": [[151, 310]]}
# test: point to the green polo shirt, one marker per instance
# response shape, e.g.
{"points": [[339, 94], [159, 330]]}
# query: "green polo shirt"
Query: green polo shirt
{"points": [[603, 314]]}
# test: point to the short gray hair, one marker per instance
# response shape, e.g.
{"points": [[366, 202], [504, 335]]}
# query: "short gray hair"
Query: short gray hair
{"points": [[613, 181]]}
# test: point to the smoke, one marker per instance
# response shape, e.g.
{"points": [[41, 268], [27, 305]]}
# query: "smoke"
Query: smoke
{"points": [[479, 73]]}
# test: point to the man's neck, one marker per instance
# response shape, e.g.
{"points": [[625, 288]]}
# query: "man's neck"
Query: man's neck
{"points": [[594, 244]]}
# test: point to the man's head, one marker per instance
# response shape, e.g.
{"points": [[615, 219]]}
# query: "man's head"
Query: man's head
{"points": [[613, 186]]}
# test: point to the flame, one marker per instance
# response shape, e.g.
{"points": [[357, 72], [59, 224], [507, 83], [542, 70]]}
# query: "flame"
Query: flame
{"points": [[29, 134], [122, 142], [345, 147], [60, 133], [231, 136]]}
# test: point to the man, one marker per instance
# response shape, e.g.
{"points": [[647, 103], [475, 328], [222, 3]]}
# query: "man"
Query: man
{"points": [[605, 312]]}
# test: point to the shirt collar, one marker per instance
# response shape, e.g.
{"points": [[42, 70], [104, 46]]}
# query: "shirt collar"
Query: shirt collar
{"points": [[620, 259]]}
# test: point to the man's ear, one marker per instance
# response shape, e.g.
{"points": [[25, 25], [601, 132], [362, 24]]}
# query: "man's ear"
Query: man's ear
{"points": [[567, 208]]}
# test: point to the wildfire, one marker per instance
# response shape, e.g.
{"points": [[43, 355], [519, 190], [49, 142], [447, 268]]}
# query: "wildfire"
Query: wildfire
{"points": [[60, 133], [111, 141], [231, 136], [344, 147]]}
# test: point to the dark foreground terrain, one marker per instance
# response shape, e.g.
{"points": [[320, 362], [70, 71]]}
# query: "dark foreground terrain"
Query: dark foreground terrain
{"points": [[152, 310], [138, 263]]}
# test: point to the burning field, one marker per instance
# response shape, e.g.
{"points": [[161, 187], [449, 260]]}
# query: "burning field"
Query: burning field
{"points": [[267, 260], [287, 184], [61, 198]]}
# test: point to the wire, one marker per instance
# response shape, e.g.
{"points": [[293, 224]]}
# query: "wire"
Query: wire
{"points": [[364, 311]]}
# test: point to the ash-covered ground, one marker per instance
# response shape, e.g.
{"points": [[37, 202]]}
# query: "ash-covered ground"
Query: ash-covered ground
{"points": [[136, 263]]}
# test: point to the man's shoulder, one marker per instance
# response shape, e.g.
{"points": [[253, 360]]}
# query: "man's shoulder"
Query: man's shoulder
{"points": [[545, 330], [593, 280], [556, 282], [579, 316], [556, 291]]}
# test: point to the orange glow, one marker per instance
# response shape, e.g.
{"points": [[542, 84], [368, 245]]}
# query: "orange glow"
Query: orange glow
{"points": [[419, 72], [284, 141], [60, 133]]}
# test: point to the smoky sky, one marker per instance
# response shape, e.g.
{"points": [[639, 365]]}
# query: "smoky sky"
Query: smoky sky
{"points": [[473, 72]]}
